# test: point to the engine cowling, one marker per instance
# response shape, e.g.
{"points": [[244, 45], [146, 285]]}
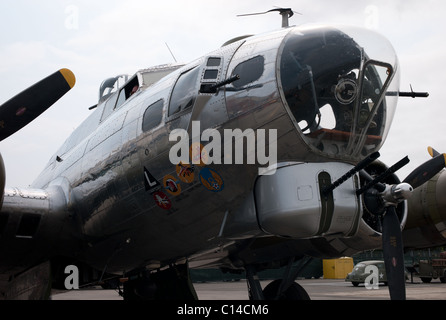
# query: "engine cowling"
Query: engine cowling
{"points": [[369, 235], [291, 188], [372, 220], [426, 223], [422, 217]]}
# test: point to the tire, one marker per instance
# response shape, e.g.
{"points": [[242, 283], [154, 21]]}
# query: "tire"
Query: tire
{"points": [[294, 292], [426, 279]]}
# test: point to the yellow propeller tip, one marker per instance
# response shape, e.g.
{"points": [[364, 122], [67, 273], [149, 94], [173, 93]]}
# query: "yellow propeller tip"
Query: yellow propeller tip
{"points": [[431, 151], [69, 77]]}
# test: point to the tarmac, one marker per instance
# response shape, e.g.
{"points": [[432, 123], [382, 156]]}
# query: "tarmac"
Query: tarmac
{"points": [[318, 289]]}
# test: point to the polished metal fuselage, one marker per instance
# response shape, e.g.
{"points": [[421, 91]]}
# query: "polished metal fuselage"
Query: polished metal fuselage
{"points": [[117, 216], [111, 177], [103, 166]]}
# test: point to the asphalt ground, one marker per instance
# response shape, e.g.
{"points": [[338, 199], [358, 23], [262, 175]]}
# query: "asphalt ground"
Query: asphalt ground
{"points": [[318, 289], [331, 299]]}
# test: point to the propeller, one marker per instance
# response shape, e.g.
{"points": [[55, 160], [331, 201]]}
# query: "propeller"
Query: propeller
{"points": [[382, 199], [432, 152], [428, 169], [393, 254], [32, 102]]}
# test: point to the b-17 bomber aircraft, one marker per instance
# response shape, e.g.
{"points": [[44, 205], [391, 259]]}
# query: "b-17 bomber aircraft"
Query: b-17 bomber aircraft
{"points": [[258, 155]]}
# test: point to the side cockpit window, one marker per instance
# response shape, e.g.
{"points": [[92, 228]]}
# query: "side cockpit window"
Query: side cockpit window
{"points": [[109, 106], [111, 85], [185, 92], [153, 116], [129, 89], [115, 91], [249, 71]]}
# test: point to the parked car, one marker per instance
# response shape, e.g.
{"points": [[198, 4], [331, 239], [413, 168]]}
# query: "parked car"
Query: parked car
{"points": [[358, 274]]}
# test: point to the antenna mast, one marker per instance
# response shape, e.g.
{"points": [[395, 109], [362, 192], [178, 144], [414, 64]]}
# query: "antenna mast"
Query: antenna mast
{"points": [[170, 52], [286, 14]]}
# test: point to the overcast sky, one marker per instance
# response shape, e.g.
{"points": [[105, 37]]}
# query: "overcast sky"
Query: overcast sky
{"points": [[100, 39]]}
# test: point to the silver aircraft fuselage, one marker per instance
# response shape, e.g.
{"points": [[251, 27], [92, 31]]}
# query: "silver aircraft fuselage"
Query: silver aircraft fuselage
{"points": [[116, 201]]}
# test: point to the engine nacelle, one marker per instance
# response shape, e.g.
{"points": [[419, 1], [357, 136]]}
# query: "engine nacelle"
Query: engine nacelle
{"points": [[291, 203], [426, 223], [280, 206]]}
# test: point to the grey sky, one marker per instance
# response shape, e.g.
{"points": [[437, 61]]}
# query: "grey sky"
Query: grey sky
{"points": [[100, 39]]}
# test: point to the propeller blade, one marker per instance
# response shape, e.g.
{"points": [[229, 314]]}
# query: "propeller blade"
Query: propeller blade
{"points": [[432, 152], [30, 103], [427, 170], [393, 255]]}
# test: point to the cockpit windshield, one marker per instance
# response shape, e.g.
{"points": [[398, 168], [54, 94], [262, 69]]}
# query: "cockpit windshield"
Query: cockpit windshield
{"points": [[335, 82], [111, 85]]}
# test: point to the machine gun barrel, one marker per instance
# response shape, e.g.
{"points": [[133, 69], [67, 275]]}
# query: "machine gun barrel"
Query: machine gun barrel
{"points": [[361, 165]]}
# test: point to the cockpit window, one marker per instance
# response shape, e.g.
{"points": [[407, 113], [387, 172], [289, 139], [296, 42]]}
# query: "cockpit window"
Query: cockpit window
{"points": [[185, 92], [109, 106], [335, 91], [115, 91], [320, 72], [111, 85], [129, 90]]}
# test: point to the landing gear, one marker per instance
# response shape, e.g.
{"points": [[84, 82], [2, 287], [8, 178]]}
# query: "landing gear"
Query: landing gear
{"points": [[254, 287], [171, 284], [280, 289]]}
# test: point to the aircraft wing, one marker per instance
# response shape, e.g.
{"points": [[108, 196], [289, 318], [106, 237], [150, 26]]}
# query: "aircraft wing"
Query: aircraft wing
{"points": [[31, 220]]}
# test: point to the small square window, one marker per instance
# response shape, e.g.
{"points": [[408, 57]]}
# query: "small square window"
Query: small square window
{"points": [[210, 74], [213, 62]]}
